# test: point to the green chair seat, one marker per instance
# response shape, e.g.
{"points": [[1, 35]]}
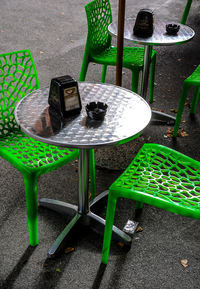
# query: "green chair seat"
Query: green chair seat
{"points": [[99, 49], [26, 153], [158, 176], [132, 59], [192, 81]]}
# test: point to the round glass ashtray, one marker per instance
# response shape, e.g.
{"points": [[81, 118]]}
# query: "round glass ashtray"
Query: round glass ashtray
{"points": [[172, 29], [96, 110]]}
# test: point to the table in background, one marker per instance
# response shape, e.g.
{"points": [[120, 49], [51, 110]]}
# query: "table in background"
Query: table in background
{"points": [[158, 38], [127, 115]]}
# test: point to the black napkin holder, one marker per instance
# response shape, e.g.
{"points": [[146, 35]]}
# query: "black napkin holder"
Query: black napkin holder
{"points": [[144, 23], [64, 96]]}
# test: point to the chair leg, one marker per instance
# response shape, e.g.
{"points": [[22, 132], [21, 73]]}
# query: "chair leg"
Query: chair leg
{"points": [[195, 99], [110, 214], [135, 80], [92, 174], [30, 183], [180, 108], [152, 78], [103, 74], [85, 63], [186, 12]]}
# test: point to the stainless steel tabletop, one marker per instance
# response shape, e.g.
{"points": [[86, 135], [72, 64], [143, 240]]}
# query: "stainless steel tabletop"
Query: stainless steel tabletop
{"points": [[127, 115], [159, 37]]}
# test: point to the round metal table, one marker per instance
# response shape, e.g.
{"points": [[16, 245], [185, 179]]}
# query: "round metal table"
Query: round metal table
{"points": [[158, 38], [127, 115]]}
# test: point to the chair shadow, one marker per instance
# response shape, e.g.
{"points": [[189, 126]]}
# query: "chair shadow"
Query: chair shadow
{"points": [[99, 276], [8, 283], [115, 275]]}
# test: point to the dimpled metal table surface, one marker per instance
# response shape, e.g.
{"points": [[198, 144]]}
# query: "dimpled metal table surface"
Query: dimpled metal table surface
{"points": [[127, 115], [159, 37]]}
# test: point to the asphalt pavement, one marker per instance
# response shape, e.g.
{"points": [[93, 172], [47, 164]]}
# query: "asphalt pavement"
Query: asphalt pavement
{"points": [[55, 32]]}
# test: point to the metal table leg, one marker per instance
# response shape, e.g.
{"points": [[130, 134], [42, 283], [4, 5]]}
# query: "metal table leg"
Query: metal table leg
{"points": [[156, 115], [81, 213]]}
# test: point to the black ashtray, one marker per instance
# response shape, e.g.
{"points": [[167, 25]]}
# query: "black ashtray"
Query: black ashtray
{"points": [[96, 110], [172, 29]]}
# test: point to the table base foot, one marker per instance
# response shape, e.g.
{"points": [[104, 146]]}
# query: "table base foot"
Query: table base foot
{"points": [[60, 241], [98, 199], [95, 222], [60, 207], [160, 117]]}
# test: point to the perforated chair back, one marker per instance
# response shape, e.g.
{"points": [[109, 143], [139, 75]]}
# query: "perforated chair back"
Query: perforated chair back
{"points": [[18, 77], [99, 16]]}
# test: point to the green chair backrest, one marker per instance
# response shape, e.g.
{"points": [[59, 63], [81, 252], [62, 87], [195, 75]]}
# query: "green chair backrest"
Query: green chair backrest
{"points": [[99, 16], [18, 77]]}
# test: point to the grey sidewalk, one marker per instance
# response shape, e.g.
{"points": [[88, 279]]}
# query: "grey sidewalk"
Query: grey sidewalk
{"points": [[55, 32]]}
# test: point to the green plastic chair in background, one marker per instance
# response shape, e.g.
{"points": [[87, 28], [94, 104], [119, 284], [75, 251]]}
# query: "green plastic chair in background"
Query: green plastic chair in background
{"points": [[32, 158], [99, 47], [158, 176], [186, 11], [192, 81]]}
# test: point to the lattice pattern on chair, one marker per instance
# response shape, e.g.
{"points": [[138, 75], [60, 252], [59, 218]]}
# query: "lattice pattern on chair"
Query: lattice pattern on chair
{"points": [[165, 174], [18, 77], [99, 17], [31, 153]]}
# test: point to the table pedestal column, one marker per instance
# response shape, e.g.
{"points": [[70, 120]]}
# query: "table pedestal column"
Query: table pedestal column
{"points": [[82, 213], [157, 116]]}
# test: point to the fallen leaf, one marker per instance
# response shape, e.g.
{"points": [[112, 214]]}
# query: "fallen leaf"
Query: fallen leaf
{"points": [[173, 110], [69, 250], [120, 244], [184, 262], [139, 229], [58, 270], [41, 52], [180, 133]]}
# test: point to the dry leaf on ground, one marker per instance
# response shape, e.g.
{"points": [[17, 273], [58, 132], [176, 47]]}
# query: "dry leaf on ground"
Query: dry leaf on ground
{"points": [[58, 270], [120, 244], [69, 250], [184, 262], [139, 229], [181, 133]]}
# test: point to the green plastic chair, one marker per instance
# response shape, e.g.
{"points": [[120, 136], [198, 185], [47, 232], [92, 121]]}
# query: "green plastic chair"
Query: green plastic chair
{"points": [[186, 11], [32, 158], [192, 81], [158, 176], [99, 47]]}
